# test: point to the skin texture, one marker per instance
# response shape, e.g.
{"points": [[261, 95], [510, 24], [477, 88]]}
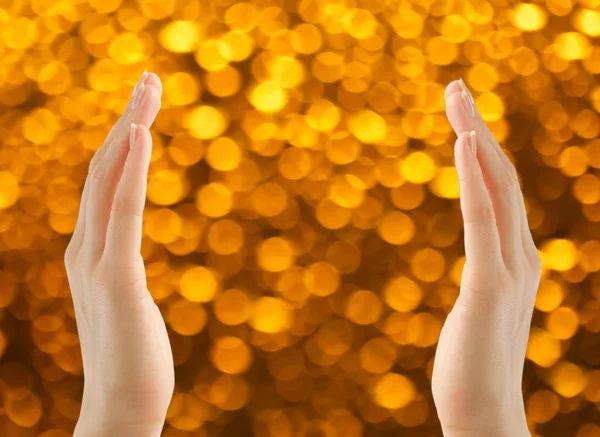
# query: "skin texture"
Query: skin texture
{"points": [[479, 361], [127, 359]]}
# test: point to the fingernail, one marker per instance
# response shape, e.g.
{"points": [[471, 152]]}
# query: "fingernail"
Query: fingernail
{"points": [[132, 135], [473, 142], [139, 96], [139, 84], [467, 98]]}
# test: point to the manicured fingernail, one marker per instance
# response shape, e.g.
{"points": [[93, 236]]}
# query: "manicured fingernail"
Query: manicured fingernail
{"points": [[473, 142], [139, 96], [132, 135], [138, 85], [467, 98]]}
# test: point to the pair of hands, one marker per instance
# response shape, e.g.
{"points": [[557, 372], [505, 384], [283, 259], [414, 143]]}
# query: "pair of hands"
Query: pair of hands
{"points": [[126, 353]]}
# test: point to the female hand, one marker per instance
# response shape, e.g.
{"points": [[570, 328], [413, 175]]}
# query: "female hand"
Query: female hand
{"points": [[479, 361], [127, 360]]}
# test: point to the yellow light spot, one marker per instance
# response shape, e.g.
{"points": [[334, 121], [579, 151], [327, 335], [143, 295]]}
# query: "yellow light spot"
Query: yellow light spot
{"points": [[214, 200], [428, 265], [105, 6], [275, 255], [322, 279], [445, 183], [163, 226], [347, 191], [588, 22], [9, 190], [223, 83], [306, 38], [323, 116], [568, 379], [403, 294], [543, 349], [213, 55], [23, 407], [368, 126], [378, 355], [229, 393], [225, 237], [573, 161], [271, 315], [286, 72], [268, 97], [240, 45], [561, 255], [55, 78], [127, 49], [396, 228], [231, 355], [542, 406], [232, 307], [572, 46], [179, 36], [529, 17], [418, 168], [186, 318], [491, 106], [269, 199], [549, 296], [364, 307], [441, 50], [181, 89], [562, 323], [394, 391], [199, 284], [482, 77], [332, 215], [166, 187], [206, 122], [223, 154], [456, 28]]}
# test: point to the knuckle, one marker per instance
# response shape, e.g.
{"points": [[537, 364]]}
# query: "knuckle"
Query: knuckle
{"points": [[126, 205], [69, 257], [98, 174], [481, 212], [508, 181], [123, 208], [96, 159], [536, 263]]}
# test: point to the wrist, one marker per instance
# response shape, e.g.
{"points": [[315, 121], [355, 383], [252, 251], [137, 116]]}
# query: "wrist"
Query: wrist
{"points": [[510, 425], [506, 428], [85, 428], [98, 421]]}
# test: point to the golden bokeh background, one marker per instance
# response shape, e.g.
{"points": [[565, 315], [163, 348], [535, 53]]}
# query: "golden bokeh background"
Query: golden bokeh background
{"points": [[302, 234]]}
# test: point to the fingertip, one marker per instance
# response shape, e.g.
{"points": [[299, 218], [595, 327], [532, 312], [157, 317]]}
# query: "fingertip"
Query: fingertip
{"points": [[144, 137], [155, 81], [465, 149], [462, 140], [452, 88]]}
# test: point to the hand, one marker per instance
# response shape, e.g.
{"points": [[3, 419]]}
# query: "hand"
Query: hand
{"points": [[127, 360], [479, 361]]}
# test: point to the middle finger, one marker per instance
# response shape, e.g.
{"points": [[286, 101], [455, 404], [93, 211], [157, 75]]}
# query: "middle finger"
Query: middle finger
{"points": [[501, 183]]}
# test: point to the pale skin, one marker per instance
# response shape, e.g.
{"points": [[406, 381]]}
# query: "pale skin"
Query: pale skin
{"points": [[128, 365], [127, 359], [479, 361]]}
